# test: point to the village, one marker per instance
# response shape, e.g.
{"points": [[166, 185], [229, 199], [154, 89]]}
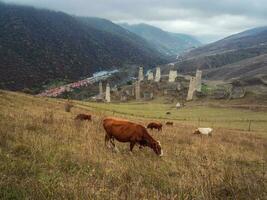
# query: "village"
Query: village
{"points": [[142, 88], [54, 92]]}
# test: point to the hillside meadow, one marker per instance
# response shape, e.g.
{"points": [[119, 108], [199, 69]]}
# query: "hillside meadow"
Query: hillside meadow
{"points": [[191, 114], [45, 154]]}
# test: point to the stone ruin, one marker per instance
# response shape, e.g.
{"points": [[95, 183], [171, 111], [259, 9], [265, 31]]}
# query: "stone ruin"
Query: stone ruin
{"points": [[194, 85], [158, 74], [123, 98], [179, 86], [148, 95], [198, 80], [192, 88], [107, 93], [172, 75], [100, 89], [141, 74], [150, 76], [173, 86], [133, 91], [137, 90], [127, 93]]}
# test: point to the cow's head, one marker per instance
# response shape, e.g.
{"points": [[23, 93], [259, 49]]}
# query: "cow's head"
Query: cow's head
{"points": [[157, 148]]}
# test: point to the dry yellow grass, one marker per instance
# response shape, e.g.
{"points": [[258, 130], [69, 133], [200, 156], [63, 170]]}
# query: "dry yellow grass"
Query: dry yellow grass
{"points": [[45, 154]]}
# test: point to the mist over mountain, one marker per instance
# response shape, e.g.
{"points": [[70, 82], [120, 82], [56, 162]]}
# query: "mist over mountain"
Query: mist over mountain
{"points": [[38, 46], [166, 42]]}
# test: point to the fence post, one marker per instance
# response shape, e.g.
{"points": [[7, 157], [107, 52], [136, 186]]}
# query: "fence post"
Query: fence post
{"points": [[249, 125]]}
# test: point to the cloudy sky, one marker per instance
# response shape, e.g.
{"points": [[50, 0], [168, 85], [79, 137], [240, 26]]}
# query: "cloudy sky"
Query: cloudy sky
{"points": [[208, 20]]}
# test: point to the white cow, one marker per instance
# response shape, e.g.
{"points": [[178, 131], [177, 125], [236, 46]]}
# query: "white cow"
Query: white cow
{"points": [[204, 131]]}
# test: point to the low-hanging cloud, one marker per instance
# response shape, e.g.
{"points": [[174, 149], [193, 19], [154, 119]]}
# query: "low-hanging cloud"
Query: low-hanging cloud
{"points": [[206, 19]]}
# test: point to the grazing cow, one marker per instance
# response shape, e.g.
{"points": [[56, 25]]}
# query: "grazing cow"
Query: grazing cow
{"points": [[126, 131], [169, 123], [83, 117], [155, 125], [204, 131], [168, 113]]}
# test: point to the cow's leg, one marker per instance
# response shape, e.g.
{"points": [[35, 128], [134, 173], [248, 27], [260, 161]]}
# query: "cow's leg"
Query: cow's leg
{"points": [[107, 140], [132, 145], [113, 144]]}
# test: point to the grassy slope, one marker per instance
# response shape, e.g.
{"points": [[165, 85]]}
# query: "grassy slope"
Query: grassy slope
{"points": [[194, 115], [44, 154]]}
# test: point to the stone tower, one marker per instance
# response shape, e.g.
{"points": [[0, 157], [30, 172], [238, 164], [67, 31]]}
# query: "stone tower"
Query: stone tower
{"points": [[172, 75], [100, 89], [198, 80], [191, 89], [137, 90], [141, 74], [150, 76], [158, 75], [107, 93]]}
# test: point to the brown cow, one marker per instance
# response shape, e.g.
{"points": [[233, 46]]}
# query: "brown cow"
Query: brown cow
{"points": [[126, 131], [169, 123], [155, 125], [83, 117]]}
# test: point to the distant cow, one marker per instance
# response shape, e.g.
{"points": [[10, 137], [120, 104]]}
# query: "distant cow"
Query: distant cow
{"points": [[83, 117], [169, 123], [155, 125], [168, 113], [204, 131], [126, 131]]}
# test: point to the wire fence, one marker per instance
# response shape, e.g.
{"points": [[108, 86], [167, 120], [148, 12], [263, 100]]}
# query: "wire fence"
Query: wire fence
{"points": [[242, 124]]}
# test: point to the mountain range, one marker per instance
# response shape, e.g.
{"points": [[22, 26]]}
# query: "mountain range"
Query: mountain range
{"points": [[39, 46], [166, 42], [239, 55]]}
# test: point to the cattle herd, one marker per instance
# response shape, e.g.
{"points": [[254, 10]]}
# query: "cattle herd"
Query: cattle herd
{"points": [[126, 131]]}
